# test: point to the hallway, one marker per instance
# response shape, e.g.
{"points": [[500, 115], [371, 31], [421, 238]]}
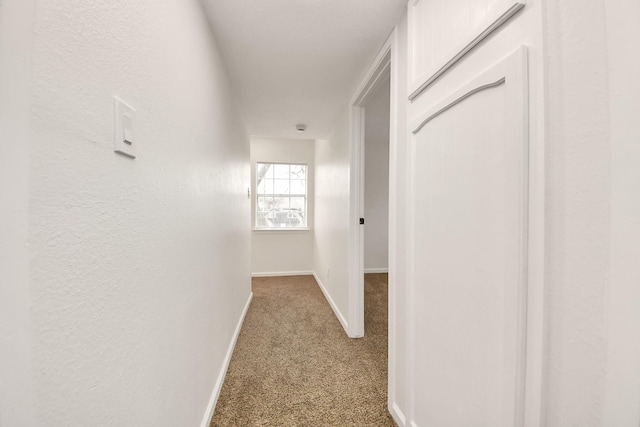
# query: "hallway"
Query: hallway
{"points": [[294, 365], [133, 215]]}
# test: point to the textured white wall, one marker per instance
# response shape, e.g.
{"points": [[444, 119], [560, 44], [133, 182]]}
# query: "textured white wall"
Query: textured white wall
{"points": [[578, 220], [282, 251], [622, 400], [593, 273], [376, 180], [16, 30], [138, 269], [331, 227]]}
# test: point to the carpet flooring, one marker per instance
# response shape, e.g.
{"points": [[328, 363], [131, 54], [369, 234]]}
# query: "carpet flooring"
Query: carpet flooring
{"points": [[293, 364]]}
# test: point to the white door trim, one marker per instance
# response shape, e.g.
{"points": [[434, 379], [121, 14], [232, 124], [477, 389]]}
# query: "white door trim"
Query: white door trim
{"points": [[374, 77], [384, 66]]}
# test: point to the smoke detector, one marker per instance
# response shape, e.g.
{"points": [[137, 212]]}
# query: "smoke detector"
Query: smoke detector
{"points": [[301, 128]]}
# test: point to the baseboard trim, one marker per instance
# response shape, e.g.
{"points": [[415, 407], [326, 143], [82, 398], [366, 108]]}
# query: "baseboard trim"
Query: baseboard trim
{"points": [[282, 273], [218, 386], [332, 304], [397, 415], [376, 270]]}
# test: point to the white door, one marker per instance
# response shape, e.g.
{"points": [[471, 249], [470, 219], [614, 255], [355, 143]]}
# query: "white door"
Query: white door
{"points": [[468, 245]]}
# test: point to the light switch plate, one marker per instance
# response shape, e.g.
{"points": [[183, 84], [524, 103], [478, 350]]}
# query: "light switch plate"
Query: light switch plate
{"points": [[124, 140]]}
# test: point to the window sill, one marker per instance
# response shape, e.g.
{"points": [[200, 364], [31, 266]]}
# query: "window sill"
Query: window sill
{"points": [[280, 230]]}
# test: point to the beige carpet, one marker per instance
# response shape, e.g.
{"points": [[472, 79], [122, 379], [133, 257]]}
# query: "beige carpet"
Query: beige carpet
{"points": [[293, 365]]}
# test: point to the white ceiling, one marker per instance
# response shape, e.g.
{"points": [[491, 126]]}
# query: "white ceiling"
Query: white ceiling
{"points": [[298, 61]]}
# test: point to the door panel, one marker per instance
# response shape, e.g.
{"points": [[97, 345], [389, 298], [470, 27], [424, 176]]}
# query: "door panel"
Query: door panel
{"points": [[468, 241]]}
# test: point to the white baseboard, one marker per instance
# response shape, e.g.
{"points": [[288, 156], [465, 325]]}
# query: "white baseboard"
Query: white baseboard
{"points": [[282, 273], [397, 415], [218, 386], [333, 305], [376, 270]]}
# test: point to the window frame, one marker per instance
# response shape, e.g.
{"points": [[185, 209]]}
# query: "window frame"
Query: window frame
{"points": [[257, 195]]}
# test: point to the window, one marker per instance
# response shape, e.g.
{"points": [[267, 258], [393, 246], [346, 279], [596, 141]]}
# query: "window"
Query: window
{"points": [[281, 192]]}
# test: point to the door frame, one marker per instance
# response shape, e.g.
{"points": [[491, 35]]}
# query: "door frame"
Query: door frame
{"points": [[385, 65]]}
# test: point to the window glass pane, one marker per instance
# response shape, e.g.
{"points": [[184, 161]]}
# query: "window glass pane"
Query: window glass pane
{"points": [[281, 186], [297, 186], [280, 203], [265, 204], [264, 174], [265, 187], [264, 212], [280, 212], [297, 211], [297, 204], [281, 171], [261, 221], [298, 171], [267, 169], [295, 219]]}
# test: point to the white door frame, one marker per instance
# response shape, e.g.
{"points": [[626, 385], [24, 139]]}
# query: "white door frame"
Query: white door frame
{"points": [[384, 66]]}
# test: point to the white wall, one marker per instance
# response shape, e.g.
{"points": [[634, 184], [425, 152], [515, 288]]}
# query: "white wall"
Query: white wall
{"points": [[376, 181], [578, 220], [282, 252], [16, 391], [138, 270], [593, 249], [331, 229], [622, 387]]}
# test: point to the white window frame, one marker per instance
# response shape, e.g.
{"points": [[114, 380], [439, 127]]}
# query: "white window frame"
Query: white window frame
{"points": [[257, 195]]}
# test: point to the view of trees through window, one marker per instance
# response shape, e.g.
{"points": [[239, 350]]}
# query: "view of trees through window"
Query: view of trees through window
{"points": [[281, 191]]}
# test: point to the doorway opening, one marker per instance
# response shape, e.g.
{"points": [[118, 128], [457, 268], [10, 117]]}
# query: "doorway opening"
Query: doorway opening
{"points": [[375, 174], [376, 180]]}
